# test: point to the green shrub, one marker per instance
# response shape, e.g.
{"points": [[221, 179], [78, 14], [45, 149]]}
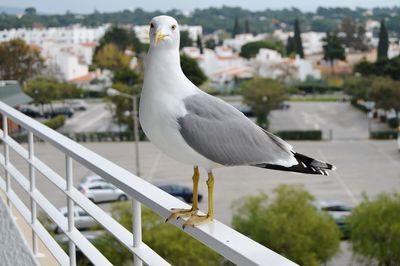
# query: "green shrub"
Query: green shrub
{"points": [[375, 230], [288, 224], [55, 122], [300, 134], [383, 134]]}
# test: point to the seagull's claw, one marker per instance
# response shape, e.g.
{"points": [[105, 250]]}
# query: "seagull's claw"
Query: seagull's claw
{"points": [[180, 213], [196, 220]]}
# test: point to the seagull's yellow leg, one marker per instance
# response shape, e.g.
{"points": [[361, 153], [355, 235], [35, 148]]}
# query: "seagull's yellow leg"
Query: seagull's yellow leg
{"points": [[195, 219], [177, 213]]}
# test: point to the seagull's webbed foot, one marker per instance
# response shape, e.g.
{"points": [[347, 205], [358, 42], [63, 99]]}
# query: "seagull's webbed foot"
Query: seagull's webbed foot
{"points": [[196, 220], [181, 213]]}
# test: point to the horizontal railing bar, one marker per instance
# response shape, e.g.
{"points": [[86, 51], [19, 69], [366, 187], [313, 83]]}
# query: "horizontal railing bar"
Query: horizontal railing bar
{"points": [[223, 239], [90, 251], [145, 253], [51, 244]]}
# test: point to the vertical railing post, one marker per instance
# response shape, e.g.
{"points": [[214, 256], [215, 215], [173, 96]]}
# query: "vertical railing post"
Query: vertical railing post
{"points": [[137, 229], [6, 160], [70, 207], [136, 132], [32, 187]]}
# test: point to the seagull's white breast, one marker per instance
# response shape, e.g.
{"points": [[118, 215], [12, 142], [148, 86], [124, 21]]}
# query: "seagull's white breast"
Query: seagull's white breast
{"points": [[160, 106]]}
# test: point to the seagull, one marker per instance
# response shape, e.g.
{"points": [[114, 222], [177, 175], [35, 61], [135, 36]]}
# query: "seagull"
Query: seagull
{"points": [[201, 130]]}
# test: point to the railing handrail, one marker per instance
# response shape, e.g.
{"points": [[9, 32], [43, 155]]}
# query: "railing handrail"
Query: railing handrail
{"points": [[223, 239]]}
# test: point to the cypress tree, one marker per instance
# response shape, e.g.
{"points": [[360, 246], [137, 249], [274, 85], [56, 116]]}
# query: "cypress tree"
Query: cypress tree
{"points": [[297, 39], [333, 49], [246, 26], [383, 45], [199, 43], [290, 46], [236, 28]]}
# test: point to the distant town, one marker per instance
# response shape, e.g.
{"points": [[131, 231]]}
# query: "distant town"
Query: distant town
{"points": [[326, 81]]}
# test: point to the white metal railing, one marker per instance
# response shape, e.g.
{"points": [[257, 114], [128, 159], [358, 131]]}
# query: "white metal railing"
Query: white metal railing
{"points": [[221, 238]]}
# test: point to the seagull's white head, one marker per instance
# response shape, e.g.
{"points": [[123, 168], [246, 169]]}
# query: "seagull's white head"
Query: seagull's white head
{"points": [[164, 33]]}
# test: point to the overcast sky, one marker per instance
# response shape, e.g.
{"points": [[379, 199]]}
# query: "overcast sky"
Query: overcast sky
{"points": [[87, 6]]}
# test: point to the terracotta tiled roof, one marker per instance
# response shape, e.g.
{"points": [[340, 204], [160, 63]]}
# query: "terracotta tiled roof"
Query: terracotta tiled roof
{"points": [[87, 77], [89, 44]]}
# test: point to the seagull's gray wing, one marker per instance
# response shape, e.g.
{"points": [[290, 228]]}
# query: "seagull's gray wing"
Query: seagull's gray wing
{"points": [[221, 133]]}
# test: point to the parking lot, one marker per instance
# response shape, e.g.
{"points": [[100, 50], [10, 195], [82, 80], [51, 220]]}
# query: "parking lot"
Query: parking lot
{"points": [[362, 166]]}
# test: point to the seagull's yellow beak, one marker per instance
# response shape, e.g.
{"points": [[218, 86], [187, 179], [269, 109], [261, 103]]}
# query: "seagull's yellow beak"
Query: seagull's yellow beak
{"points": [[159, 36]]}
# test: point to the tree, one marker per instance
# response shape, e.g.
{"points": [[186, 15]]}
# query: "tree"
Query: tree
{"points": [[122, 106], [386, 94], [199, 43], [375, 230], [30, 11], [247, 26], [388, 67], [383, 44], [192, 70], [110, 57], [354, 34], [121, 37], [236, 28], [262, 95], [349, 27], [19, 61], [169, 242], [333, 49], [290, 47], [43, 91], [185, 40], [251, 49], [360, 41], [210, 43], [126, 76], [297, 39], [46, 90], [288, 224]]}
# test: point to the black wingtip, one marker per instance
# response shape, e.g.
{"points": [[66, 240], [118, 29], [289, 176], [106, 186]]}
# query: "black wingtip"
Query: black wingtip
{"points": [[306, 165]]}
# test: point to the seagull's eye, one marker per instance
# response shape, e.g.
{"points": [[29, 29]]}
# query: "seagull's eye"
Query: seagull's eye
{"points": [[151, 25], [173, 27]]}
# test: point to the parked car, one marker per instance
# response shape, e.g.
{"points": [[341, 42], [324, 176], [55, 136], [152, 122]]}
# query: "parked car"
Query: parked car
{"points": [[179, 191], [77, 104], [102, 192], [62, 110], [81, 218], [339, 211], [284, 105], [30, 111], [91, 179]]}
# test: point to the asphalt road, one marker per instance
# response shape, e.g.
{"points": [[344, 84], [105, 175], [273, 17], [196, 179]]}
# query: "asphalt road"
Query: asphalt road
{"points": [[362, 166], [343, 120], [96, 118]]}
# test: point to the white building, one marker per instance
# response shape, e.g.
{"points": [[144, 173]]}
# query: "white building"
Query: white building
{"points": [[71, 60], [71, 35], [241, 39], [270, 63], [312, 41], [221, 66], [142, 32]]}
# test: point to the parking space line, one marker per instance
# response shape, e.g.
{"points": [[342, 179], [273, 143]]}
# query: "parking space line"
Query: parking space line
{"points": [[153, 168], [339, 179]]}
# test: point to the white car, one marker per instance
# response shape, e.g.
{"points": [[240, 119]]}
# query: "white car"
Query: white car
{"points": [[102, 192], [78, 105], [91, 179], [82, 219]]}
